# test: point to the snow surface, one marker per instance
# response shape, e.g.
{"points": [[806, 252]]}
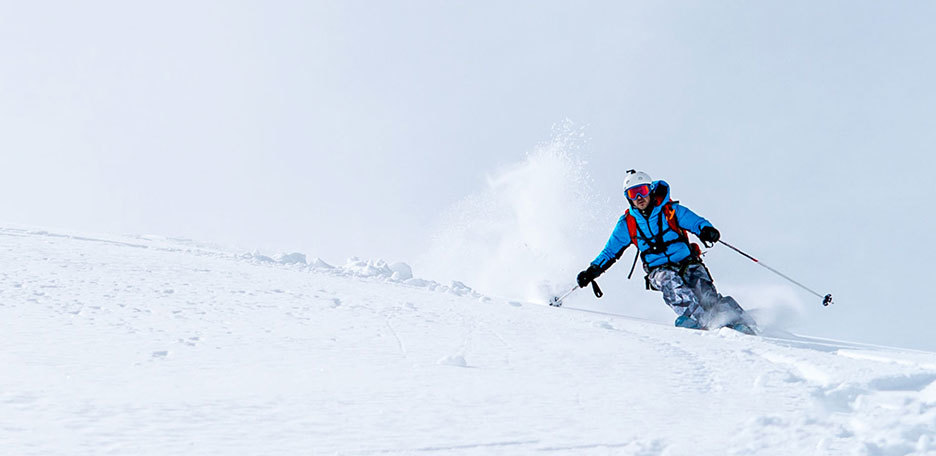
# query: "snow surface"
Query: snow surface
{"points": [[149, 345]]}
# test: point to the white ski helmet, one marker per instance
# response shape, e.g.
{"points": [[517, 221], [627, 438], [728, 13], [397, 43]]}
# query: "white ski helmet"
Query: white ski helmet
{"points": [[635, 178]]}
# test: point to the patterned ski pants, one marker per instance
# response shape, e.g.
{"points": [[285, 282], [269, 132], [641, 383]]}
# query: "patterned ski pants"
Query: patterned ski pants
{"points": [[693, 294]]}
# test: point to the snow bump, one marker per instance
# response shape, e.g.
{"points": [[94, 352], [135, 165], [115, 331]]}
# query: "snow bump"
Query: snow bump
{"points": [[290, 258], [453, 360]]}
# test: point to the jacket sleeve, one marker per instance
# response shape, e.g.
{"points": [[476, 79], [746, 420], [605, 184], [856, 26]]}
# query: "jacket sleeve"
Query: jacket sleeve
{"points": [[617, 244], [688, 220]]}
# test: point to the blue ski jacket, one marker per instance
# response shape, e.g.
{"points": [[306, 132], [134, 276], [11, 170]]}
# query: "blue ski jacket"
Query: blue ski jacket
{"points": [[653, 227]]}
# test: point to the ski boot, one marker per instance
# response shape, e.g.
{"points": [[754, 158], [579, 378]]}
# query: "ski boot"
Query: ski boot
{"points": [[687, 322]]}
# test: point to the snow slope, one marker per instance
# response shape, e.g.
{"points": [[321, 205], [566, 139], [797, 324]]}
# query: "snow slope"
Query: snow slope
{"points": [[147, 345]]}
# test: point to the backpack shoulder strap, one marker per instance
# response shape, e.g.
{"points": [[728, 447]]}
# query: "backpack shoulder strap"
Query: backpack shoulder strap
{"points": [[631, 226], [632, 230], [670, 215]]}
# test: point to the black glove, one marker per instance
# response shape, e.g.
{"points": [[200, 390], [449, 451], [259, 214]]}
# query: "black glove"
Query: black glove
{"points": [[709, 235], [585, 277]]}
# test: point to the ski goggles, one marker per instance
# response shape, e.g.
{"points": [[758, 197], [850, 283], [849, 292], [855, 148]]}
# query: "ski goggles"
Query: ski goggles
{"points": [[642, 190]]}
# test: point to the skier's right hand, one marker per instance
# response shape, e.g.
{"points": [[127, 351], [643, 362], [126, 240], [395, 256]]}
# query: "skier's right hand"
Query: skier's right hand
{"points": [[587, 276]]}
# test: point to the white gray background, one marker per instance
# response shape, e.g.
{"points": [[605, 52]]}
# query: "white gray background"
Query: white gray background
{"points": [[801, 129]]}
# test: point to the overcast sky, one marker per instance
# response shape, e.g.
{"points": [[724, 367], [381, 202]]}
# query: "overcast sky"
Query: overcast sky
{"points": [[802, 129]]}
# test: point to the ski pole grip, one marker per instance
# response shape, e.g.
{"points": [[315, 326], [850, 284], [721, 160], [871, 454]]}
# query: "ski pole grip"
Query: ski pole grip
{"points": [[597, 290]]}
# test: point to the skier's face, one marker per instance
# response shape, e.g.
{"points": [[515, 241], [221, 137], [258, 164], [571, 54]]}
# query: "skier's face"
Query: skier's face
{"points": [[641, 202]]}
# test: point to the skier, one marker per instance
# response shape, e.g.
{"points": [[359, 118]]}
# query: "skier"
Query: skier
{"points": [[657, 226]]}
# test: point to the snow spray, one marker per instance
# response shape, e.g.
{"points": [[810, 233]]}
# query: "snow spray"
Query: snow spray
{"points": [[530, 229], [774, 307]]}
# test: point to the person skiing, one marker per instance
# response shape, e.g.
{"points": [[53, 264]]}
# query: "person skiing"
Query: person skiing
{"points": [[657, 226]]}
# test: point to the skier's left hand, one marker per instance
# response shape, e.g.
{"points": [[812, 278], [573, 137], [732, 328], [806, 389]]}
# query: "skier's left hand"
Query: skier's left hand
{"points": [[709, 235]]}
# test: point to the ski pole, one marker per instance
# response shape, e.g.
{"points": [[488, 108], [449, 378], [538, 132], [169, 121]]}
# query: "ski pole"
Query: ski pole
{"points": [[826, 300], [557, 301]]}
